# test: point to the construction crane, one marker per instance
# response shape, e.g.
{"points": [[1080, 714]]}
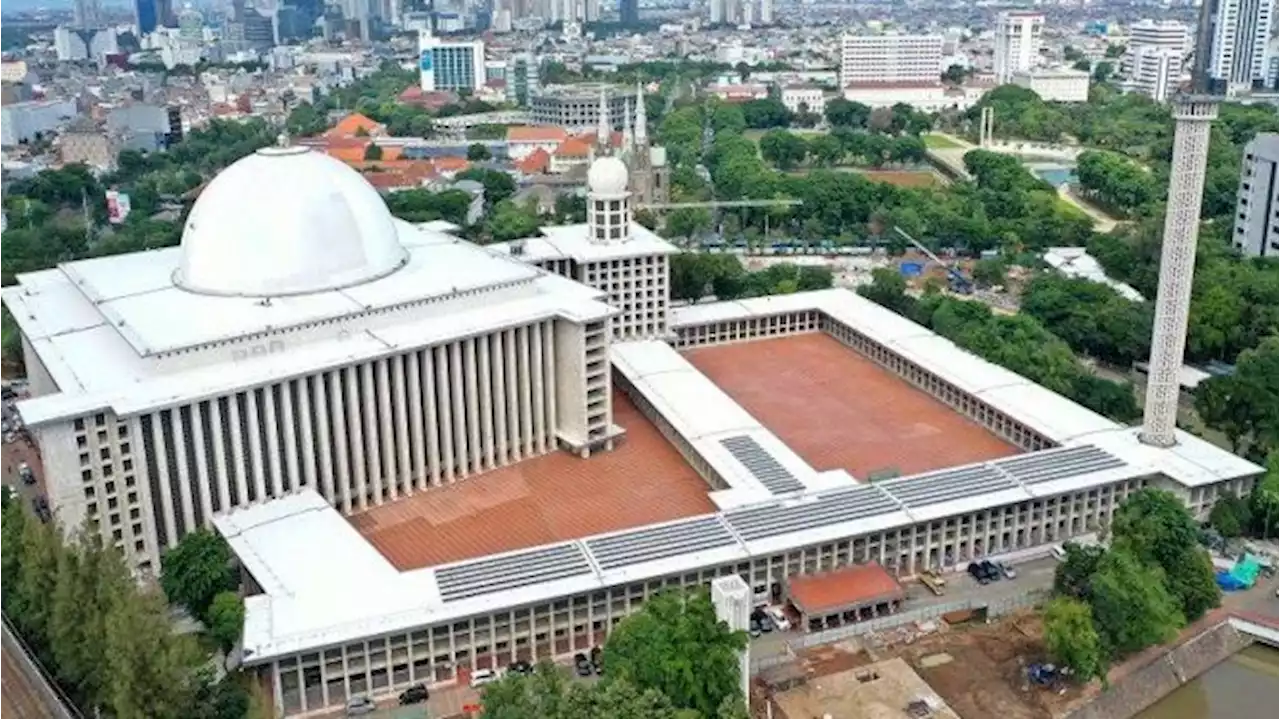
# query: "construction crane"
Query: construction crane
{"points": [[959, 283]]}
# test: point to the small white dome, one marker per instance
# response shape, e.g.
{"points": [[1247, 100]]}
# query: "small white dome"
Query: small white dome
{"points": [[607, 176], [283, 221]]}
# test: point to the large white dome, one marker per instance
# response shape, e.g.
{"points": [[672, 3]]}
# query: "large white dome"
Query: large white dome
{"points": [[607, 176], [286, 220]]}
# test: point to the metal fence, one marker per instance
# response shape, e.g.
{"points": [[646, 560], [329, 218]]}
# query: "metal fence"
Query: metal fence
{"points": [[995, 608], [50, 695]]}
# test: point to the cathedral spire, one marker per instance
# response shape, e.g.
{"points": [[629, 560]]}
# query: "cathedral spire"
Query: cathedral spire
{"points": [[603, 129], [642, 123], [628, 134]]}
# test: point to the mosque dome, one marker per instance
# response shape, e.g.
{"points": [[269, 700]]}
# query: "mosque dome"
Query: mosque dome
{"points": [[284, 221], [607, 176]]}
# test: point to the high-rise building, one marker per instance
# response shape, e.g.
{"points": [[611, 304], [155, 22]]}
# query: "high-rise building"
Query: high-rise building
{"points": [[740, 12], [86, 14], [522, 77], [1153, 60], [1017, 45], [445, 65], [151, 14], [75, 44], [629, 12], [1239, 34], [1257, 230], [890, 58]]}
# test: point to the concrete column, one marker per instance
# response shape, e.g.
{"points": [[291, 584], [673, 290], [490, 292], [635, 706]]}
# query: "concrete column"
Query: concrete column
{"points": [[289, 425], [237, 450], [500, 397], [404, 473], [166, 492], [382, 388], [485, 380], [372, 448], [310, 448], [511, 351], [457, 394], [323, 447], [539, 400], [273, 439], [470, 380], [549, 368], [255, 446], [202, 463], [432, 414], [526, 392], [338, 422], [218, 428], [184, 471], [419, 473], [358, 451], [445, 418]]}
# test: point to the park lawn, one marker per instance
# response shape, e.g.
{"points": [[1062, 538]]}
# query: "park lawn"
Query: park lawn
{"points": [[938, 142]]}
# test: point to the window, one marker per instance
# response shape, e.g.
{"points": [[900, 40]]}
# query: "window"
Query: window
{"points": [[122, 431], [78, 425], [100, 419], [81, 441], [124, 448], [105, 454]]}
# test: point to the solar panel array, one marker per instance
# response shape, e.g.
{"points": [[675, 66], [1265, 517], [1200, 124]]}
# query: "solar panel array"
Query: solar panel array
{"points": [[776, 478], [511, 571], [645, 545], [946, 485], [1053, 464], [833, 508]]}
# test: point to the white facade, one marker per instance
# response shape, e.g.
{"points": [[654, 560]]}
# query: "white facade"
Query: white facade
{"points": [[1242, 29], [1169, 34], [1017, 43], [1257, 227], [327, 347], [802, 97], [1151, 71], [74, 44], [926, 96], [732, 599], [450, 65], [23, 121], [1059, 84], [890, 58]]}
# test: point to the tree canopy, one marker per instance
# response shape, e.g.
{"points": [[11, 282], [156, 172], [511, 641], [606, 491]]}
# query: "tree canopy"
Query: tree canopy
{"points": [[1155, 526], [1071, 637], [197, 570]]}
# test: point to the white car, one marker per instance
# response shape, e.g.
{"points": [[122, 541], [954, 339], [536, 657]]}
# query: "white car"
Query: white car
{"points": [[1058, 552], [779, 618], [480, 677]]}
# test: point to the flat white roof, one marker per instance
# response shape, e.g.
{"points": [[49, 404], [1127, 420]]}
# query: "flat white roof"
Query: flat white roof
{"points": [[115, 333], [562, 242], [1094, 451]]}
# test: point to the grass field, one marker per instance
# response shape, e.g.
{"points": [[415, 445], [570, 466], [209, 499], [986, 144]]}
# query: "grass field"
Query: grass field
{"points": [[938, 142], [903, 178]]}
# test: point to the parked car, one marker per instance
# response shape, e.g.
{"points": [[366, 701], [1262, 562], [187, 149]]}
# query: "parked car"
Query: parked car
{"points": [[978, 573], [754, 628], [480, 677], [1007, 570], [1058, 552], [766, 624], [582, 665], [597, 660], [415, 694], [520, 667], [25, 472], [360, 705], [991, 569], [779, 618]]}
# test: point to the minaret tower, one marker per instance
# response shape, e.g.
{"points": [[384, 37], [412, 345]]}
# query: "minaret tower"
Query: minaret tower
{"points": [[604, 129], [1194, 115]]}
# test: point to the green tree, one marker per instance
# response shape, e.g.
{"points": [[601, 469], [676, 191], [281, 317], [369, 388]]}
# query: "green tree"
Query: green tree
{"points": [[766, 113], [1131, 605], [41, 552], [1155, 526], [843, 113], [547, 694], [148, 672], [90, 582], [511, 221], [1103, 71], [373, 152], [1230, 516], [1073, 577], [1071, 638], [990, 272], [226, 619], [826, 150], [304, 121], [196, 570], [955, 74], [675, 645], [477, 152], [783, 149], [498, 185], [1243, 405]]}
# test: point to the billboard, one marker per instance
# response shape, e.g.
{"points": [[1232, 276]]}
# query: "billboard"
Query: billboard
{"points": [[117, 206]]}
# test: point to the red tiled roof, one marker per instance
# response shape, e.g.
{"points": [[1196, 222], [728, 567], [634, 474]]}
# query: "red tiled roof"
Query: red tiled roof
{"points": [[573, 147], [535, 162], [859, 585], [536, 134], [350, 126]]}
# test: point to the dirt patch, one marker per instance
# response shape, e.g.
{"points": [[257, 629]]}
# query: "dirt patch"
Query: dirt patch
{"points": [[903, 178]]}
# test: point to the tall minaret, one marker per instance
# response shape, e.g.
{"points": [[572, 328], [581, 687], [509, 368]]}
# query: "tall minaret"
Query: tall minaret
{"points": [[603, 127], [1193, 114], [642, 123]]}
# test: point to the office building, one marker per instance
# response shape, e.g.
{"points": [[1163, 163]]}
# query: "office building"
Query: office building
{"points": [[1017, 43], [1154, 59], [577, 107], [1054, 84], [1240, 33], [86, 14], [890, 59], [450, 65], [1257, 225], [151, 14], [306, 373], [79, 44], [629, 12], [27, 121], [522, 77], [740, 12]]}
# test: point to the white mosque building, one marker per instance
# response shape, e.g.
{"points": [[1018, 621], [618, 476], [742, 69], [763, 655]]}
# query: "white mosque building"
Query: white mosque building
{"points": [[432, 457], [301, 336]]}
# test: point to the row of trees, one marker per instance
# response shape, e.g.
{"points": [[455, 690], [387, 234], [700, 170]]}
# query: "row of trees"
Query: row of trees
{"points": [[671, 660], [786, 150], [1116, 182], [695, 275], [1113, 602], [1018, 343], [106, 639]]}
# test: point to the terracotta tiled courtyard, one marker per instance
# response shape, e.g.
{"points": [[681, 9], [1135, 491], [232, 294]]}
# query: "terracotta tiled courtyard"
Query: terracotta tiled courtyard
{"points": [[546, 499], [838, 409]]}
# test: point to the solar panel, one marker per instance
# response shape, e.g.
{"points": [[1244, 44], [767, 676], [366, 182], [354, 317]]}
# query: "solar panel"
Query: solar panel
{"points": [[845, 505], [1053, 464], [776, 478], [512, 571], [946, 485], [645, 545]]}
